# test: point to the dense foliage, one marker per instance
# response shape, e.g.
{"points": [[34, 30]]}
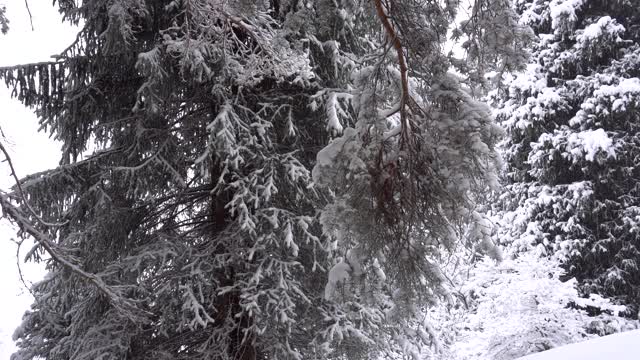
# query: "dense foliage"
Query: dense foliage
{"points": [[567, 218], [255, 179], [572, 146]]}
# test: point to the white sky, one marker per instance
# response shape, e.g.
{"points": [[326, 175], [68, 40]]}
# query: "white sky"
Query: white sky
{"points": [[31, 151]]}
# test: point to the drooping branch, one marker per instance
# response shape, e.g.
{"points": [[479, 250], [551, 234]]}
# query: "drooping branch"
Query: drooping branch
{"points": [[41, 63], [397, 45]]}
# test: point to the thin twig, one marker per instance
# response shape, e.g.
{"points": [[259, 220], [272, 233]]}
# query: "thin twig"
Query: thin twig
{"points": [[29, 288], [20, 274], [26, 4]]}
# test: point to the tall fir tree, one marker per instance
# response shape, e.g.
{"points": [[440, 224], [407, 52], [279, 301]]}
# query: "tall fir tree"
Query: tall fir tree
{"points": [[252, 179], [573, 146]]}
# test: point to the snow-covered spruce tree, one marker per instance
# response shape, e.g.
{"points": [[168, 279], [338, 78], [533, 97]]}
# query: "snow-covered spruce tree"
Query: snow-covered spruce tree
{"points": [[517, 307], [572, 145], [184, 220]]}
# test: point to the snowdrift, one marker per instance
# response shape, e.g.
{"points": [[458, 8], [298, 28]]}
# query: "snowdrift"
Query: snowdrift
{"points": [[621, 346]]}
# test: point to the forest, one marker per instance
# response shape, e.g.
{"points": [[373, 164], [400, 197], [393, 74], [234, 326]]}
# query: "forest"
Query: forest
{"points": [[331, 179]]}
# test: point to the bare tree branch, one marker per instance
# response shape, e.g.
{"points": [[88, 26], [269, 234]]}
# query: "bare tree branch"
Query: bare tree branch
{"points": [[26, 4]]}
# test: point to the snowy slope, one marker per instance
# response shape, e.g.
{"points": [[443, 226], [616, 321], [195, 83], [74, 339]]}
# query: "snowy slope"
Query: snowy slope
{"points": [[621, 346]]}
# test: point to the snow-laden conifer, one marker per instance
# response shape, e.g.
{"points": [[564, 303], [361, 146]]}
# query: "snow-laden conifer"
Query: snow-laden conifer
{"points": [[571, 147]]}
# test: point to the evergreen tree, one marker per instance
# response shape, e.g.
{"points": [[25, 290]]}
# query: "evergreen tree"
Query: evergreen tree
{"points": [[198, 212], [572, 143]]}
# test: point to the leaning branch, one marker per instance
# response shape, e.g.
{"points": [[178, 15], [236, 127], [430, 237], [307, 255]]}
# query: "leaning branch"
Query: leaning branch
{"points": [[49, 246]]}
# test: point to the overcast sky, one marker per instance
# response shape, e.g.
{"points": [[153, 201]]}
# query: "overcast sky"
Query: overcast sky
{"points": [[31, 151]]}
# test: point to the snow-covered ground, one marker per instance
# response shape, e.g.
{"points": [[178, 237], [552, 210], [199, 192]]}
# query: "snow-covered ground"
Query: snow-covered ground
{"points": [[621, 346]]}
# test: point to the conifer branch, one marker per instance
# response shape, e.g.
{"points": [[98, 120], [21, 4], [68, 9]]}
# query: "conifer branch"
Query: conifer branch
{"points": [[31, 65]]}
